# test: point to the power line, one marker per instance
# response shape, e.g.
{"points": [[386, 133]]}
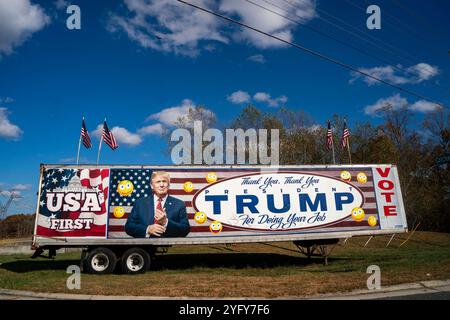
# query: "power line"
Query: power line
{"points": [[317, 54], [391, 63], [410, 57], [422, 20], [347, 31], [404, 53]]}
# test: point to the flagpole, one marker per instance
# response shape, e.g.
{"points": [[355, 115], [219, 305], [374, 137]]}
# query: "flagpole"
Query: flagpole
{"points": [[101, 140], [79, 145], [332, 147], [99, 148], [348, 148], [330, 137]]}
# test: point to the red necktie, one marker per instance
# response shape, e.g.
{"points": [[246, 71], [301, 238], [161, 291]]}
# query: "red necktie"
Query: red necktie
{"points": [[159, 207]]}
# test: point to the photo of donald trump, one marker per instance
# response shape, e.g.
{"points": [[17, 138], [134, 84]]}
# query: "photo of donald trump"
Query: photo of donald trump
{"points": [[158, 215]]}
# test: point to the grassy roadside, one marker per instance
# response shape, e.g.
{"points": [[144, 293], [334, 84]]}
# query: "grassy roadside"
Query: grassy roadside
{"points": [[246, 270]]}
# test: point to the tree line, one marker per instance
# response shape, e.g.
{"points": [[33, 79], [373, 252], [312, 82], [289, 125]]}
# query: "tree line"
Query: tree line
{"points": [[17, 226], [419, 149]]}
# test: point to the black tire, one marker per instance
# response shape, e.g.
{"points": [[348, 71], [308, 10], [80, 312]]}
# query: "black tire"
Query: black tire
{"points": [[135, 261], [100, 261]]}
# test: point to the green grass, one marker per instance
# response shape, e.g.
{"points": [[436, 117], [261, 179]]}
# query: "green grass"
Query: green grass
{"points": [[261, 270]]}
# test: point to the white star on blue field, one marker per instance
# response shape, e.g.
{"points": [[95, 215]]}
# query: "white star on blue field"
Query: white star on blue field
{"points": [[141, 185]]}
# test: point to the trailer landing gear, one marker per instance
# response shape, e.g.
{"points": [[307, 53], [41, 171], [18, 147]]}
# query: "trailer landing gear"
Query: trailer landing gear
{"points": [[39, 253], [321, 248]]}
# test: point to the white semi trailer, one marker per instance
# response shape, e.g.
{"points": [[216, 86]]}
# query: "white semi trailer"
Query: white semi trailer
{"points": [[314, 206]]}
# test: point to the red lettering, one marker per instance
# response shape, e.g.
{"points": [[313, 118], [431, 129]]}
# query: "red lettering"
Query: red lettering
{"points": [[384, 173], [382, 184], [390, 211], [388, 196]]}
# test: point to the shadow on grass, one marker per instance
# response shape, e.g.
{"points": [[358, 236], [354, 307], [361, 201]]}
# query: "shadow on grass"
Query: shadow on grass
{"points": [[22, 266], [233, 261]]}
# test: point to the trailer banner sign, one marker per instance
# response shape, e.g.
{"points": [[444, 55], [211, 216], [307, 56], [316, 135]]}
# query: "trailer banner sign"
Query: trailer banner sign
{"points": [[279, 201], [222, 201], [73, 203]]}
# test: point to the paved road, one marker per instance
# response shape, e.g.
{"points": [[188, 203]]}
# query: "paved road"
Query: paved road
{"points": [[426, 290], [445, 295]]}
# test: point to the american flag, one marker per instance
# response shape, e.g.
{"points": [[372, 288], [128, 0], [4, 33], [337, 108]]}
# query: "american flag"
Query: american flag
{"points": [[73, 181], [108, 137], [329, 137], [85, 136], [140, 178], [345, 135]]}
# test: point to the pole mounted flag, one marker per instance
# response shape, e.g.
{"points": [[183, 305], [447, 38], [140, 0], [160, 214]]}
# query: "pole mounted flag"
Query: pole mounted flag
{"points": [[345, 135], [329, 137], [346, 141], [84, 136], [330, 144], [109, 139]]}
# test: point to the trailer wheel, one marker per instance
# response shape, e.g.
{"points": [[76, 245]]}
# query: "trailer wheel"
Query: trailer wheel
{"points": [[134, 261], [100, 261]]}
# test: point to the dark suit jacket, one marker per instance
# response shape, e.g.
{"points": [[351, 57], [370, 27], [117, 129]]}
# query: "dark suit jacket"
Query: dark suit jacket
{"points": [[143, 213]]}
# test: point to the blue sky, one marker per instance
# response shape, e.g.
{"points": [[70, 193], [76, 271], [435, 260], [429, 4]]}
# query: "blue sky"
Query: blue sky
{"points": [[116, 67]]}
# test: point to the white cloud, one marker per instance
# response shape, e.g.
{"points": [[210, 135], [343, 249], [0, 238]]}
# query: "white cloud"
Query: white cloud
{"points": [[22, 187], [239, 97], [424, 71], [304, 10], [69, 160], [397, 102], [265, 97], [17, 190], [122, 135], [412, 75], [261, 96], [7, 129], [170, 116], [61, 4], [19, 19], [258, 58], [5, 193], [156, 129], [167, 25], [6, 100], [425, 106], [170, 26]]}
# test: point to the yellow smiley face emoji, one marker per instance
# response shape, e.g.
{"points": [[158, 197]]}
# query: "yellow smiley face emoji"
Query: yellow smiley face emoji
{"points": [[372, 221], [211, 177], [188, 186], [200, 217], [358, 214], [346, 176], [119, 212], [125, 188], [215, 227], [361, 177]]}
